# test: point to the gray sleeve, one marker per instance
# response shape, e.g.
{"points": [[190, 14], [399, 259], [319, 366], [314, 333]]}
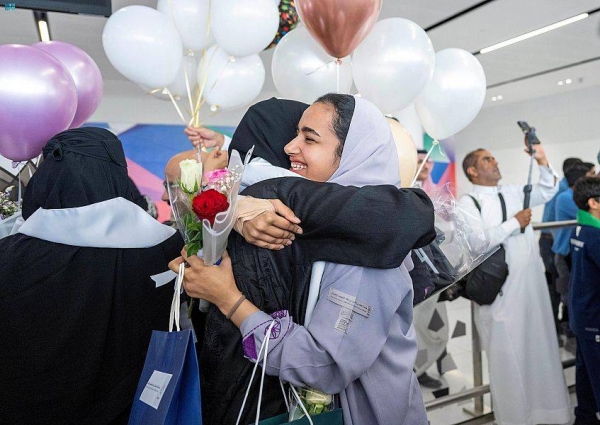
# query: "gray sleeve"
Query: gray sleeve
{"points": [[340, 343]]}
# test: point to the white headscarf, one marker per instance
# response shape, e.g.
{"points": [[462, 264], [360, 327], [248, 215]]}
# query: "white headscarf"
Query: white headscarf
{"points": [[369, 156]]}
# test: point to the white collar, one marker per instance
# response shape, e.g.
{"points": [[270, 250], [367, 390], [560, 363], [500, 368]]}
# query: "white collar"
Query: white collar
{"points": [[116, 223], [485, 189]]}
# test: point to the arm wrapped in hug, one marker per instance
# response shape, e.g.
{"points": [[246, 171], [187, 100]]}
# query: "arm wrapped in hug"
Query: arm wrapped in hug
{"points": [[370, 226]]}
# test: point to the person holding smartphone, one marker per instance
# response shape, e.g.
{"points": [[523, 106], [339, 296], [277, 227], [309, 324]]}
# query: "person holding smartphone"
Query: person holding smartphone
{"points": [[526, 378]]}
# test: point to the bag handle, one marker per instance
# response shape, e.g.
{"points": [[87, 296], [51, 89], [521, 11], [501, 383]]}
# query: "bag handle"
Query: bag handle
{"points": [[264, 346], [502, 204], [176, 302]]}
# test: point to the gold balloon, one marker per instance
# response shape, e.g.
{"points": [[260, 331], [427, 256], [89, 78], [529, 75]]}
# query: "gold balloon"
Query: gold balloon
{"points": [[407, 152]]}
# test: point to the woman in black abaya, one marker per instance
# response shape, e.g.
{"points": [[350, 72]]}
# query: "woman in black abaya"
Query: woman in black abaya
{"points": [[77, 301]]}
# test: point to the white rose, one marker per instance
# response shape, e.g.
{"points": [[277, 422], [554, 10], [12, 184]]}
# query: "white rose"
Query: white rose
{"points": [[191, 175]]}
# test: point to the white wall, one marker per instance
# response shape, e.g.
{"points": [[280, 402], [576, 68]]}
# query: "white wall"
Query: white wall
{"points": [[568, 125]]}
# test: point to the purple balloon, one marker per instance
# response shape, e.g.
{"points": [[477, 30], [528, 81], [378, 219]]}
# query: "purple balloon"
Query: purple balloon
{"points": [[85, 73], [38, 99]]}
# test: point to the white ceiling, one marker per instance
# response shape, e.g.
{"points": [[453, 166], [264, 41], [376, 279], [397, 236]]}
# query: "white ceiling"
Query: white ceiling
{"points": [[493, 22]]}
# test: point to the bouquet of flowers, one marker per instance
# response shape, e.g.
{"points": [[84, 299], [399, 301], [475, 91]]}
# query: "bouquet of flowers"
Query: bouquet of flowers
{"points": [[206, 215], [10, 214], [7, 207]]}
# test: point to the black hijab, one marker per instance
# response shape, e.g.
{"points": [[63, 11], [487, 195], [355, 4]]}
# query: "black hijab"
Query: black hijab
{"points": [[81, 167], [269, 126]]}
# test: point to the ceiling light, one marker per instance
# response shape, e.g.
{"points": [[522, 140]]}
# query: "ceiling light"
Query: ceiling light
{"points": [[568, 81], [494, 99], [499, 97], [44, 32], [560, 83], [534, 33], [41, 19]]}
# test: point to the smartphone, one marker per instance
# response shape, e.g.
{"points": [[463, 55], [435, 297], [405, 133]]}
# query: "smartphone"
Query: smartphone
{"points": [[529, 132], [524, 126]]}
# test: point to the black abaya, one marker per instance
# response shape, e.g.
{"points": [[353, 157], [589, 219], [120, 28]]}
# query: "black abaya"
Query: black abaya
{"points": [[372, 226], [75, 319]]}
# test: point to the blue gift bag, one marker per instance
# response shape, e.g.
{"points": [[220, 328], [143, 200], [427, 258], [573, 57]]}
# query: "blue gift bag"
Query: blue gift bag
{"points": [[169, 389]]}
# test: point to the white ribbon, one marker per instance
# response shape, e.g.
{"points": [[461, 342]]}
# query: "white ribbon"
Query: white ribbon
{"points": [[176, 302]]}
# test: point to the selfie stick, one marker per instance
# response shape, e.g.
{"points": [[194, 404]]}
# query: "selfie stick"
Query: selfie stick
{"points": [[528, 187]]}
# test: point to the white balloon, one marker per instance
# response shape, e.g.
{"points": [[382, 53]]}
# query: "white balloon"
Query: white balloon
{"points": [[302, 70], [393, 63], [178, 89], [189, 66], [190, 17], [244, 27], [143, 45], [455, 94], [230, 82], [410, 121]]}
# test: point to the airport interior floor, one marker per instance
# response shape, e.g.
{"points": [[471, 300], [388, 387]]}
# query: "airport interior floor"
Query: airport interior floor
{"points": [[461, 378]]}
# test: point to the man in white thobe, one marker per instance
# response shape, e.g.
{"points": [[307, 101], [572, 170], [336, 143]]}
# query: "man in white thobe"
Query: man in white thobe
{"points": [[517, 331]]}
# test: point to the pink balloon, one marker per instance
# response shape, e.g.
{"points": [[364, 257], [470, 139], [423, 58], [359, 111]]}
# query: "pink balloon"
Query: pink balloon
{"points": [[85, 73], [38, 99]]}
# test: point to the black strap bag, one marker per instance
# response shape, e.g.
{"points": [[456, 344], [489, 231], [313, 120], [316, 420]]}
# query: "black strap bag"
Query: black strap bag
{"points": [[484, 283]]}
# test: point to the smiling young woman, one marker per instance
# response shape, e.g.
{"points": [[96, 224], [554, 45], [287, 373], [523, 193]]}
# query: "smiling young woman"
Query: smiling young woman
{"points": [[316, 151]]}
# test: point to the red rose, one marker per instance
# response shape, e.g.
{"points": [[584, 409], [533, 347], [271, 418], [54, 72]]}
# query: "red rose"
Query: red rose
{"points": [[207, 204]]}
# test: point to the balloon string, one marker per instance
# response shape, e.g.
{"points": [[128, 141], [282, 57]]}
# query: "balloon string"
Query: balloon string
{"points": [[319, 67], [201, 85], [170, 3], [433, 145], [187, 83], [19, 199], [189, 93], [167, 91], [202, 81], [231, 60], [337, 72]]}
